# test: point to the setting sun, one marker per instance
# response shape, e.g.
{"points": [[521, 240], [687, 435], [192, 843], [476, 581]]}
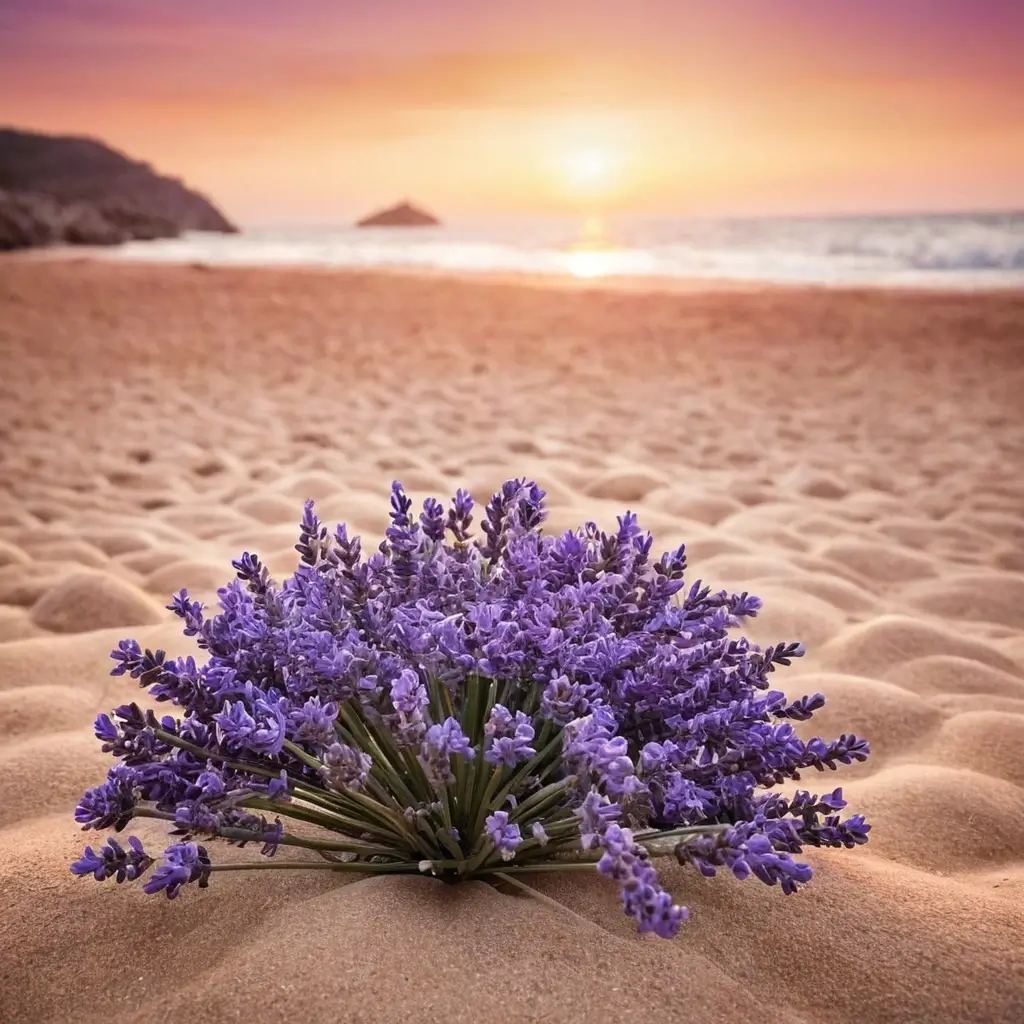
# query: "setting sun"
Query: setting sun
{"points": [[591, 172], [588, 167]]}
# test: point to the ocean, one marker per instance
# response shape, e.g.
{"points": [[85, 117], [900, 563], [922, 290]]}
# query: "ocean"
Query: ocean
{"points": [[948, 251]]}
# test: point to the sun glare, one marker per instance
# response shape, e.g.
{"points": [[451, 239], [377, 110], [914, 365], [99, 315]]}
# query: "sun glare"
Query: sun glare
{"points": [[590, 170]]}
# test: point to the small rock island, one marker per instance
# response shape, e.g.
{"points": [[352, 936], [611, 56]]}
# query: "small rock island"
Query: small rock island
{"points": [[402, 215], [71, 190]]}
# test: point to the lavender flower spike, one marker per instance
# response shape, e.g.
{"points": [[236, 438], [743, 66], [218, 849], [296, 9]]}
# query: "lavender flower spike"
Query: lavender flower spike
{"points": [[183, 863], [111, 860], [505, 837]]}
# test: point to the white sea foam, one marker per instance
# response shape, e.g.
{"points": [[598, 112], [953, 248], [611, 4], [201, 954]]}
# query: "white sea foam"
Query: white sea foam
{"points": [[947, 251]]}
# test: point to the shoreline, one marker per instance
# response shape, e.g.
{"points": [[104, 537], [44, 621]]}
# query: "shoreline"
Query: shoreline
{"points": [[619, 284]]}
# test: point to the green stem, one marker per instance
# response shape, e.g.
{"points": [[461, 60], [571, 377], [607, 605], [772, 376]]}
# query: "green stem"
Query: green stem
{"points": [[332, 801], [504, 688], [385, 817], [529, 768], [527, 869], [473, 721], [486, 800], [447, 707], [395, 758], [356, 867], [328, 816], [532, 701], [386, 797], [331, 820], [563, 837], [478, 768], [653, 840], [539, 802], [448, 843], [473, 729], [245, 835], [382, 763], [434, 696], [427, 833], [306, 758], [213, 755], [417, 776]]}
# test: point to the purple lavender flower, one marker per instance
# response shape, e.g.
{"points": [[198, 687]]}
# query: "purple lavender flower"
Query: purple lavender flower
{"points": [[745, 850], [432, 520], [845, 750], [111, 860], [183, 863], [109, 805], [409, 699], [277, 789], [408, 694], [234, 724], [505, 837], [593, 751], [403, 535], [515, 509], [500, 722], [274, 789], [442, 743], [345, 767], [562, 701], [802, 709], [260, 729], [314, 722], [412, 700], [460, 516], [191, 612], [595, 814], [313, 544], [128, 733], [271, 836], [508, 737], [643, 899], [128, 658], [345, 551]]}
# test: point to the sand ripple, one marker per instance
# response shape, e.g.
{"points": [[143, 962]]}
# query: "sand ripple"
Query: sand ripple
{"points": [[854, 459]]}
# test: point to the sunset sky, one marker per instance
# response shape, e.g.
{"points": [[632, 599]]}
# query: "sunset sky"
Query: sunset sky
{"points": [[317, 110]]}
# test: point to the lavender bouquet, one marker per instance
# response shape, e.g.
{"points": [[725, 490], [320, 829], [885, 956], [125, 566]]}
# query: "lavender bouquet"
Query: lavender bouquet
{"points": [[466, 709]]}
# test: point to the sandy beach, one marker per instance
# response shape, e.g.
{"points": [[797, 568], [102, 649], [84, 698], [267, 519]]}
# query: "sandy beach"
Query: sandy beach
{"points": [[855, 458]]}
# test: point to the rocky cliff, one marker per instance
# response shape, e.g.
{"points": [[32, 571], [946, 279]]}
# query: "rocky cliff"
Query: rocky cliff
{"points": [[56, 189]]}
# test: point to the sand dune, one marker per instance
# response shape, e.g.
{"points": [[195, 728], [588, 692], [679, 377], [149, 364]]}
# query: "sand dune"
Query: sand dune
{"points": [[855, 459]]}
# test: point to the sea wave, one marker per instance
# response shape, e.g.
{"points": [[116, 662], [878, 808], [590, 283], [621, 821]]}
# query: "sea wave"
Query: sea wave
{"points": [[948, 251]]}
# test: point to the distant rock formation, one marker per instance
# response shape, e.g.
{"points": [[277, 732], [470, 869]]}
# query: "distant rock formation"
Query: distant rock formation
{"points": [[31, 219], [77, 191], [403, 215]]}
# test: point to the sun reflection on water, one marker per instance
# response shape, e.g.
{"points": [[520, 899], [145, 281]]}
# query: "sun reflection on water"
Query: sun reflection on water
{"points": [[596, 254], [593, 263]]}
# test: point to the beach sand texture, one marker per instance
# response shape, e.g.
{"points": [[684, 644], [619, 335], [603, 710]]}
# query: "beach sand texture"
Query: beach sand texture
{"points": [[853, 458]]}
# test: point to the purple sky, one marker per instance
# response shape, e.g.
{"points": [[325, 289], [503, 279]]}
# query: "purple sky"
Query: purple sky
{"points": [[291, 108]]}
